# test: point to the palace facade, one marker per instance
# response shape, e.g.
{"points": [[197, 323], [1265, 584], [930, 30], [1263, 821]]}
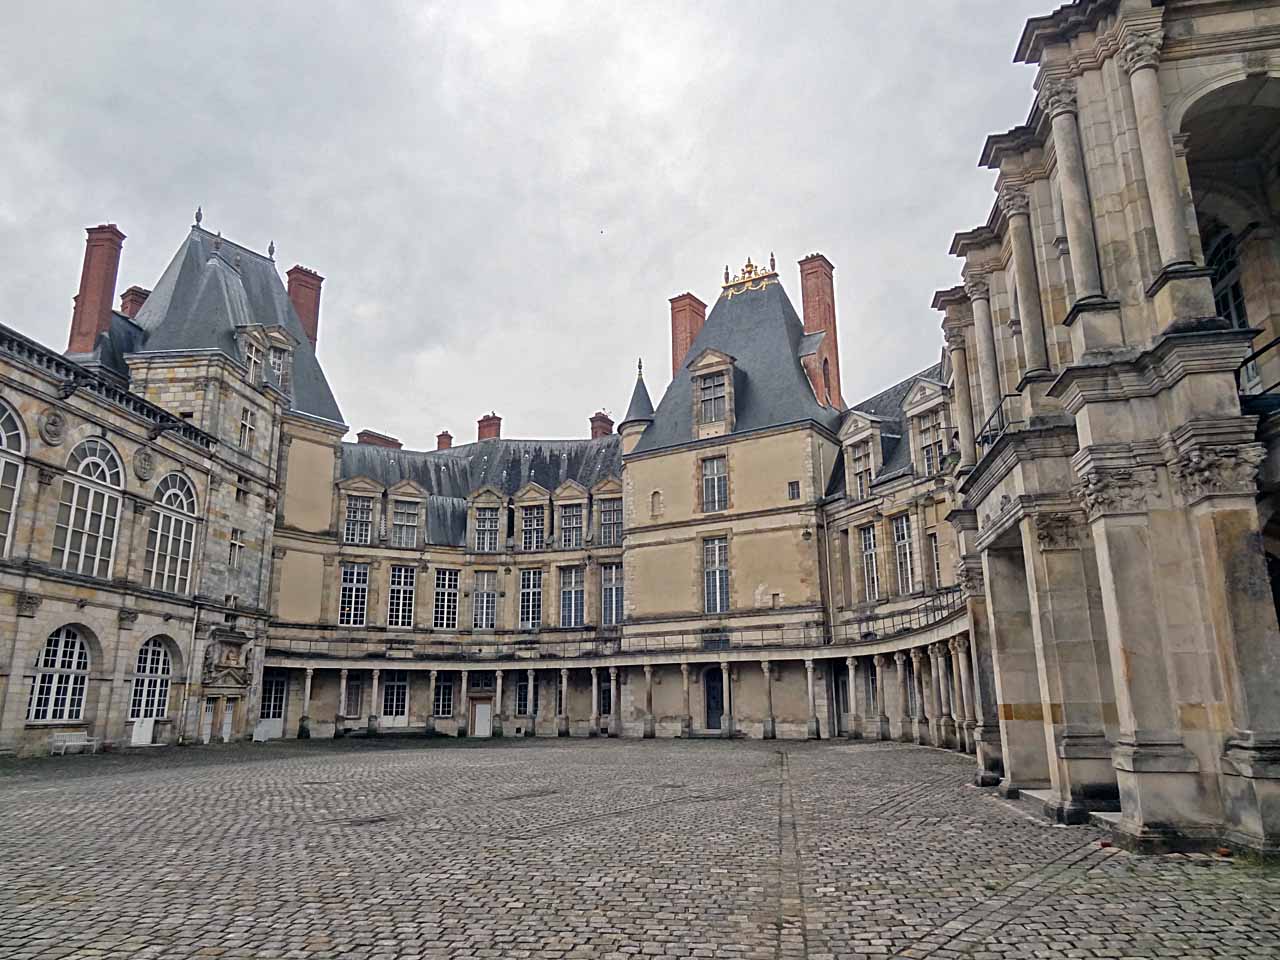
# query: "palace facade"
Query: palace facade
{"points": [[1053, 548]]}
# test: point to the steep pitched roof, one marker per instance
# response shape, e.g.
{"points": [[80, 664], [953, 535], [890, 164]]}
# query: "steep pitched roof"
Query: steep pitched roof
{"points": [[761, 330], [641, 407]]}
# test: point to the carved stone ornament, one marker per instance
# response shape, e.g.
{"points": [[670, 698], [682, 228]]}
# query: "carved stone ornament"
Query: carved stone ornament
{"points": [[917, 657], [1218, 471], [1058, 96], [127, 618], [45, 475], [1057, 531], [1013, 202], [977, 288], [1126, 490], [28, 604], [144, 463], [969, 580], [1141, 50], [53, 427], [955, 340]]}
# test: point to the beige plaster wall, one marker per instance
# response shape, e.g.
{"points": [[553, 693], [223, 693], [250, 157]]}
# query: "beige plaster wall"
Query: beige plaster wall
{"points": [[308, 495]]}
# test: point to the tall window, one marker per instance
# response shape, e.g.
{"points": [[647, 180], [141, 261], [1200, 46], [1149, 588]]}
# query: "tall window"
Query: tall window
{"points": [[571, 525], [274, 691], [247, 429], [85, 532], [279, 358], [870, 564], [442, 706], [605, 697], [171, 536], [253, 357], [904, 556], [715, 484], [404, 523], [446, 615], [860, 460], [715, 568], [1228, 294], [395, 693], [530, 598], [487, 529], [526, 706], [936, 557], [400, 596], [932, 448], [484, 600], [359, 526], [151, 682], [610, 522], [12, 447], [611, 594], [532, 528], [235, 547], [62, 671], [711, 398], [355, 698], [572, 594], [353, 597]]}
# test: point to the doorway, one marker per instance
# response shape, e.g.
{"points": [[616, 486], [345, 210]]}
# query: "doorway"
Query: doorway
{"points": [[395, 699], [206, 719], [482, 718], [228, 718], [713, 689]]}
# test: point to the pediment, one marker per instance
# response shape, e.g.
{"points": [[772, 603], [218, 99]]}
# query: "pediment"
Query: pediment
{"points": [[570, 490], [409, 490], [607, 488], [488, 496], [709, 359], [857, 422], [361, 485], [924, 393], [532, 493]]}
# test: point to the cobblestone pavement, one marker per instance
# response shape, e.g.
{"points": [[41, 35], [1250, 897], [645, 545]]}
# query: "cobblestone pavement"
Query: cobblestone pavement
{"points": [[601, 849]]}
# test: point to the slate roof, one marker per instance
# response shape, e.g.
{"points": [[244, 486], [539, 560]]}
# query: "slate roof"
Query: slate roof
{"points": [[211, 289], [761, 330], [451, 476], [640, 407]]}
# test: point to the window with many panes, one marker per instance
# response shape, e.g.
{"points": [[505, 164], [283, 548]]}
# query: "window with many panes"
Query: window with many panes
{"points": [[793, 489], [442, 705], [533, 528], [571, 525], [932, 447], [395, 693], [247, 428], [235, 548], [484, 600], [151, 682], [355, 698], [715, 484], [275, 688], [279, 359], [12, 448], [870, 564], [711, 398], [530, 598], [404, 523], [353, 597], [610, 522], [253, 358], [487, 529], [359, 525], [572, 596], [446, 612], [400, 592], [84, 533], [611, 594], [936, 557], [525, 705], [904, 555], [57, 689], [715, 572], [171, 535], [860, 466]]}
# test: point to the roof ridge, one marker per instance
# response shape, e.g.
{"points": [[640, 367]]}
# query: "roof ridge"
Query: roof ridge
{"points": [[231, 243]]}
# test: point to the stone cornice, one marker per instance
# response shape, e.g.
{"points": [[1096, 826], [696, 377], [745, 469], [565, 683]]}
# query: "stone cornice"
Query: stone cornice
{"points": [[950, 297], [1061, 26], [1020, 140], [978, 238], [1046, 437], [1010, 511]]}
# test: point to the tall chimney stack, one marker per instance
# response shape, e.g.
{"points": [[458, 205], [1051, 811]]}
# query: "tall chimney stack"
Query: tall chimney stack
{"points": [[489, 427], [375, 439], [817, 289], [131, 300], [444, 440], [304, 294], [92, 314], [601, 425], [687, 316]]}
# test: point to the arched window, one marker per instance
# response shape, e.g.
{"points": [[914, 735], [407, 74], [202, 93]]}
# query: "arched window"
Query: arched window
{"points": [[57, 692], [1228, 294], [655, 504], [89, 510], [826, 379], [172, 534], [151, 682], [12, 448]]}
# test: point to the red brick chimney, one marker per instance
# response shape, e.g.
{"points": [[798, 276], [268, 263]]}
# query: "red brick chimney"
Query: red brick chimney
{"points": [[131, 300], [489, 427], [92, 314], [601, 425], [444, 440], [304, 294], [818, 291], [376, 439], [687, 316]]}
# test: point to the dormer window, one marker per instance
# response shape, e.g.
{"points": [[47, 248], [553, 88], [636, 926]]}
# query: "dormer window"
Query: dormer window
{"points": [[712, 394], [860, 462], [932, 446], [279, 359], [253, 357]]}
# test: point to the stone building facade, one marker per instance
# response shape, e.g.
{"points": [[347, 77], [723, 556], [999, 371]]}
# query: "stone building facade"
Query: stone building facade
{"points": [[1053, 549]]}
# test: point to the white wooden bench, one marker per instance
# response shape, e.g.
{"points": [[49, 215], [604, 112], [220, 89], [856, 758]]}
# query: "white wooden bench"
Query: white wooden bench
{"points": [[59, 742]]}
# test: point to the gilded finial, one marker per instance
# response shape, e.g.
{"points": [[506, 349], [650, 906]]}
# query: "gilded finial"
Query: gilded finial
{"points": [[751, 277], [271, 250], [199, 216]]}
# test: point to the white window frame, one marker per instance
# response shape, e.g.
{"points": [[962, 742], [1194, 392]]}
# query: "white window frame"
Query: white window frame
{"points": [[713, 404], [870, 562], [89, 511], [394, 691], [523, 698], [354, 704], [861, 459], [488, 523], [611, 522], [937, 561], [611, 595], [442, 702], [13, 449], [235, 548], [253, 359], [715, 574], [402, 585], [445, 614], [275, 691], [358, 527], [353, 594], [932, 445], [572, 517], [530, 598], [903, 553], [484, 600], [279, 358], [404, 523], [573, 596], [59, 686], [171, 535], [247, 428], [715, 484], [150, 698], [533, 530]]}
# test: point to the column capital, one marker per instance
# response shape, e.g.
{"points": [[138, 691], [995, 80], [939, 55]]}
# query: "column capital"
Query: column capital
{"points": [[848, 662], [1141, 50], [310, 671], [497, 674], [881, 660], [564, 673], [1058, 96], [376, 672], [593, 672], [978, 287], [899, 657], [613, 673], [433, 674], [343, 673], [684, 670], [648, 670], [916, 656], [764, 666], [955, 339], [808, 665], [1013, 202]]}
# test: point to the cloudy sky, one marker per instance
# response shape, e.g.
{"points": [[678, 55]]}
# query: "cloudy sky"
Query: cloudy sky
{"points": [[503, 196]]}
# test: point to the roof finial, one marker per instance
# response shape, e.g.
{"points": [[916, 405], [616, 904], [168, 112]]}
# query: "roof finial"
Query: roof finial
{"points": [[639, 368], [217, 242], [726, 273], [199, 215], [271, 250], [772, 266]]}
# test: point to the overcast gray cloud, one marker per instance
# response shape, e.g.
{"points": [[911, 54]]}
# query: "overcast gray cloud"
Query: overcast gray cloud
{"points": [[503, 196]]}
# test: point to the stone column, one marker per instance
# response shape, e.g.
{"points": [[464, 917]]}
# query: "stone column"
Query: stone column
{"points": [[686, 721], [935, 701], [562, 717], [464, 727], [304, 722], [854, 731], [904, 698], [531, 729], [812, 724], [1140, 56], [960, 661], [431, 702], [726, 709], [1017, 210], [882, 665], [497, 730], [595, 704], [947, 721], [615, 708], [770, 731], [1058, 100], [964, 399], [342, 702], [375, 711], [957, 696], [979, 290], [649, 725], [922, 727]]}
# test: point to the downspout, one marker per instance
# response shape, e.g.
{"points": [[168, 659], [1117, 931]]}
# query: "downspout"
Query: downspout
{"points": [[820, 527], [195, 620], [191, 660]]}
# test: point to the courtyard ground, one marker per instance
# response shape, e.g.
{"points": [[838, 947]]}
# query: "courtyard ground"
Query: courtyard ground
{"points": [[599, 849]]}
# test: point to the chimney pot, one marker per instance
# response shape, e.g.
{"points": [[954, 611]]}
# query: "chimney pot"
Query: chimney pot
{"points": [[131, 300], [373, 438], [601, 425], [489, 427], [92, 314], [304, 294], [817, 289], [444, 440], [688, 313]]}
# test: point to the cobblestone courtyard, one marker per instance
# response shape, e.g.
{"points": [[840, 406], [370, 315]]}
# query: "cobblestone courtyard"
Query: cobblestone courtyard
{"points": [[582, 849]]}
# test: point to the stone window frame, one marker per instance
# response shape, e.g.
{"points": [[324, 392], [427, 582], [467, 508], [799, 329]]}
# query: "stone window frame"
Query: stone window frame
{"points": [[724, 585], [402, 596], [60, 686], [703, 459], [897, 523], [483, 601], [444, 615], [95, 475], [397, 527], [522, 694], [248, 428], [576, 591], [442, 701], [607, 509], [174, 519], [533, 536], [927, 399], [284, 371], [275, 693], [872, 584], [534, 595], [573, 536], [254, 360], [353, 589], [793, 489], [935, 553], [712, 396], [486, 498], [13, 452], [149, 696], [612, 595], [710, 363], [235, 548], [357, 529]]}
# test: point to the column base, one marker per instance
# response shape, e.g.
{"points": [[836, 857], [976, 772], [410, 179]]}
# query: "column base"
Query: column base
{"points": [[920, 734], [946, 733], [1162, 798], [686, 727], [374, 725], [770, 732], [531, 727], [649, 731], [497, 731], [985, 778], [594, 729], [906, 730], [811, 728], [429, 728], [304, 728], [562, 725], [970, 737], [726, 725], [1251, 797], [882, 729]]}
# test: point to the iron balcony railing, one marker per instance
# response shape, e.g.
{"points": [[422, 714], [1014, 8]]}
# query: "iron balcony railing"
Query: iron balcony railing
{"points": [[555, 645], [1248, 374], [1001, 420]]}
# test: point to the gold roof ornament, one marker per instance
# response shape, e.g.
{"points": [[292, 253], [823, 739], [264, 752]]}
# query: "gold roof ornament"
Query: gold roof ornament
{"points": [[750, 277]]}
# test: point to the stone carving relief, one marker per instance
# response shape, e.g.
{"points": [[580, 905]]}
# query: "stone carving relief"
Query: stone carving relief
{"points": [[1218, 471], [1109, 491], [53, 427], [1013, 202], [1058, 96], [227, 663], [977, 288], [1058, 531], [127, 618], [1141, 50], [969, 579], [144, 464], [28, 604]]}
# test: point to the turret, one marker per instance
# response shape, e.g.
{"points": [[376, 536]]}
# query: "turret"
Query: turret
{"points": [[639, 413]]}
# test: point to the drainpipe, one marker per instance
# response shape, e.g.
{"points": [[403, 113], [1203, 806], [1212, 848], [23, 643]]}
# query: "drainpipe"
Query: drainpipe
{"points": [[191, 660]]}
